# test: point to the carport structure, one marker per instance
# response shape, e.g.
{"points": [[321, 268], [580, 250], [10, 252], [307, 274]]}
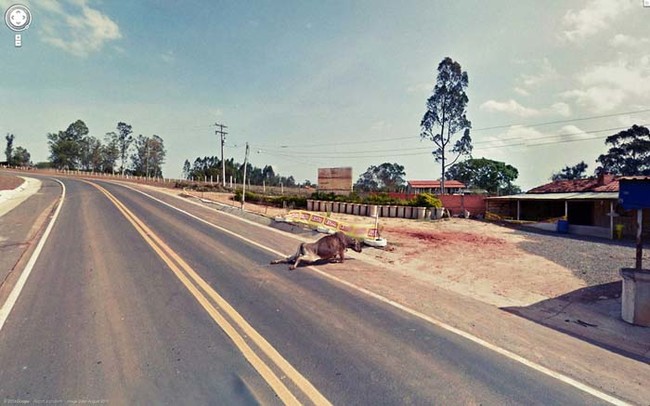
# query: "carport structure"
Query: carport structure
{"points": [[588, 213], [590, 206]]}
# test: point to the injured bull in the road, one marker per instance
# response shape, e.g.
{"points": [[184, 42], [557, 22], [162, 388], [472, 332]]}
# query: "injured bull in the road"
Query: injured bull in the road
{"points": [[327, 248]]}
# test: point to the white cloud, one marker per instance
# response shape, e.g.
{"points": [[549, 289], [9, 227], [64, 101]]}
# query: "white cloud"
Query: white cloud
{"points": [[626, 41], [516, 135], [607, 86], [547, 72], [572, 132], [521, 91], [528, 136], [561, 108], [511, 107], [630, 77], [527, 82], [79, 30], [598, 99], [595, 17]]}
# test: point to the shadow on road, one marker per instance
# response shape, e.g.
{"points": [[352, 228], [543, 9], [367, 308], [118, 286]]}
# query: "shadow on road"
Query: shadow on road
{"points": [[591, 314]]}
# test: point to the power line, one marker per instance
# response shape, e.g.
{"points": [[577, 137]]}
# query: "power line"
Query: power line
{"points": [[563, 121], [364, 154], [412, 137], [428, 148]]}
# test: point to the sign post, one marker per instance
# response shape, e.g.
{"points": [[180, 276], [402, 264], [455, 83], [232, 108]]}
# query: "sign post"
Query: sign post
{"points": [[634, 194]]}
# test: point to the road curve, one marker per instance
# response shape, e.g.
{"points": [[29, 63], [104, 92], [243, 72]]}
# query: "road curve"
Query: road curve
{"points": [[104, 317]]}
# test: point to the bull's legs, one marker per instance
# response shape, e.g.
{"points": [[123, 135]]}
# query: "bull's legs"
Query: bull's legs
{"points": [[342, 255], [290, 259], [295, 264]]}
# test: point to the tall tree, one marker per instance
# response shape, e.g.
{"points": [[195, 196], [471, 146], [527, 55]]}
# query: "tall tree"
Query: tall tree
{"points": [[268, 174], [65, 146], [110, 152], [577, 171], [494, 176], [367, 181], [629, 153], [123, 140], [387, 177], [9, 149], [21, 157], [91, 154], [149, 156], [187, 169], [446, 115]]}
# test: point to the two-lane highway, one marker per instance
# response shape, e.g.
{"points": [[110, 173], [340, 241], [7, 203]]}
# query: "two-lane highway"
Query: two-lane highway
{"points": [[132, 301]]}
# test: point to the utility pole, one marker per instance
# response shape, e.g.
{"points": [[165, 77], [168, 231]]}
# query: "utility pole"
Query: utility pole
{"points": [[223, 134], [243, 192]]}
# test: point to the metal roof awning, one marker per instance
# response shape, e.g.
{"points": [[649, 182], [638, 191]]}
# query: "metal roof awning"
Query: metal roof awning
{"points": [[560, 196]]}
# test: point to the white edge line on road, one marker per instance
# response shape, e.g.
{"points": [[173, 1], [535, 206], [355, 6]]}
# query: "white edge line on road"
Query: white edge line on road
{"points": [[225, 213], [13, 296], [561, 377]]}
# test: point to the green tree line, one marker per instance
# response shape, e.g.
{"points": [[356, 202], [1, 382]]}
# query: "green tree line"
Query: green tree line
{"points": [[74, 149], [209, 167]]}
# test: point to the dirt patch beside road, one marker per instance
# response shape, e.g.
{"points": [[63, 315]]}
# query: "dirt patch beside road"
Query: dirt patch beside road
{"points": [[476, 259], [9, 182]]}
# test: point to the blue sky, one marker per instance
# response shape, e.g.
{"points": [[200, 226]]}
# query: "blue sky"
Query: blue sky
{"points": [[331, 83]]}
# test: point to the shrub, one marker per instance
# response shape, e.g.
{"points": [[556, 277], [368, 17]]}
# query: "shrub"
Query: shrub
{"points": [[379, 199], [250, 196], [329, 197], [427, 200], [278, 201]]}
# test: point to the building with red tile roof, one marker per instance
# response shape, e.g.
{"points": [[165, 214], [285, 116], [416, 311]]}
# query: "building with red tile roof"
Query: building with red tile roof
{"points": [[433, 186], [603, 183], [589, 206]]}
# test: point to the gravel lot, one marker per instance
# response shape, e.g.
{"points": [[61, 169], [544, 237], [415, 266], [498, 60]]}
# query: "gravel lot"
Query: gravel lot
{"points": [[594, 260]]}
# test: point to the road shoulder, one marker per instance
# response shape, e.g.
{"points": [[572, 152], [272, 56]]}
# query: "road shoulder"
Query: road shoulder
{"points": [[21, 229]]}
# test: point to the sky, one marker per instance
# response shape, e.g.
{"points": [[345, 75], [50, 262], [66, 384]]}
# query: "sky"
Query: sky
{"points": [[312, 84]]}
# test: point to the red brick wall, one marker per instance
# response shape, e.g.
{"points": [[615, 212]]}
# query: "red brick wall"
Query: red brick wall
{"points": [[475, 204]]}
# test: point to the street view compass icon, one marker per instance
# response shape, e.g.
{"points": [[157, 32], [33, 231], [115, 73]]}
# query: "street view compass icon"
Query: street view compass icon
{"points": [[18, 18]]}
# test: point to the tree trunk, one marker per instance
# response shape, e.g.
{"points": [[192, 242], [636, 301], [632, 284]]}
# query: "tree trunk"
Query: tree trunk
{"points": [[442, 180]]}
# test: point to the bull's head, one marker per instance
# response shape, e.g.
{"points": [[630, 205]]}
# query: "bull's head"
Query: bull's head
{"points": [[356, 245]]}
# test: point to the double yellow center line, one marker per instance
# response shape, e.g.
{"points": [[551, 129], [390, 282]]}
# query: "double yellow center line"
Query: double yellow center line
{"points": [[233, 323]]}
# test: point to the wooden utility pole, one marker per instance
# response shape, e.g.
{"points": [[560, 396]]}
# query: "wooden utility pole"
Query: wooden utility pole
{"points": [[243, 192], [223, 134]]}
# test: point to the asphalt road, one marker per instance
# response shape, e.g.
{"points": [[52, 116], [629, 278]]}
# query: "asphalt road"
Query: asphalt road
{"points": [[114, 314]]}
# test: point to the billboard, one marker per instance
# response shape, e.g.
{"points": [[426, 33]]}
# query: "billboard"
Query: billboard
{"points": [[336, 180]]}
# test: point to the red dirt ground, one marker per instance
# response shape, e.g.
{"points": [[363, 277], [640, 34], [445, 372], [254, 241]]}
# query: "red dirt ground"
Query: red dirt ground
{"points": [[8, 182]]}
